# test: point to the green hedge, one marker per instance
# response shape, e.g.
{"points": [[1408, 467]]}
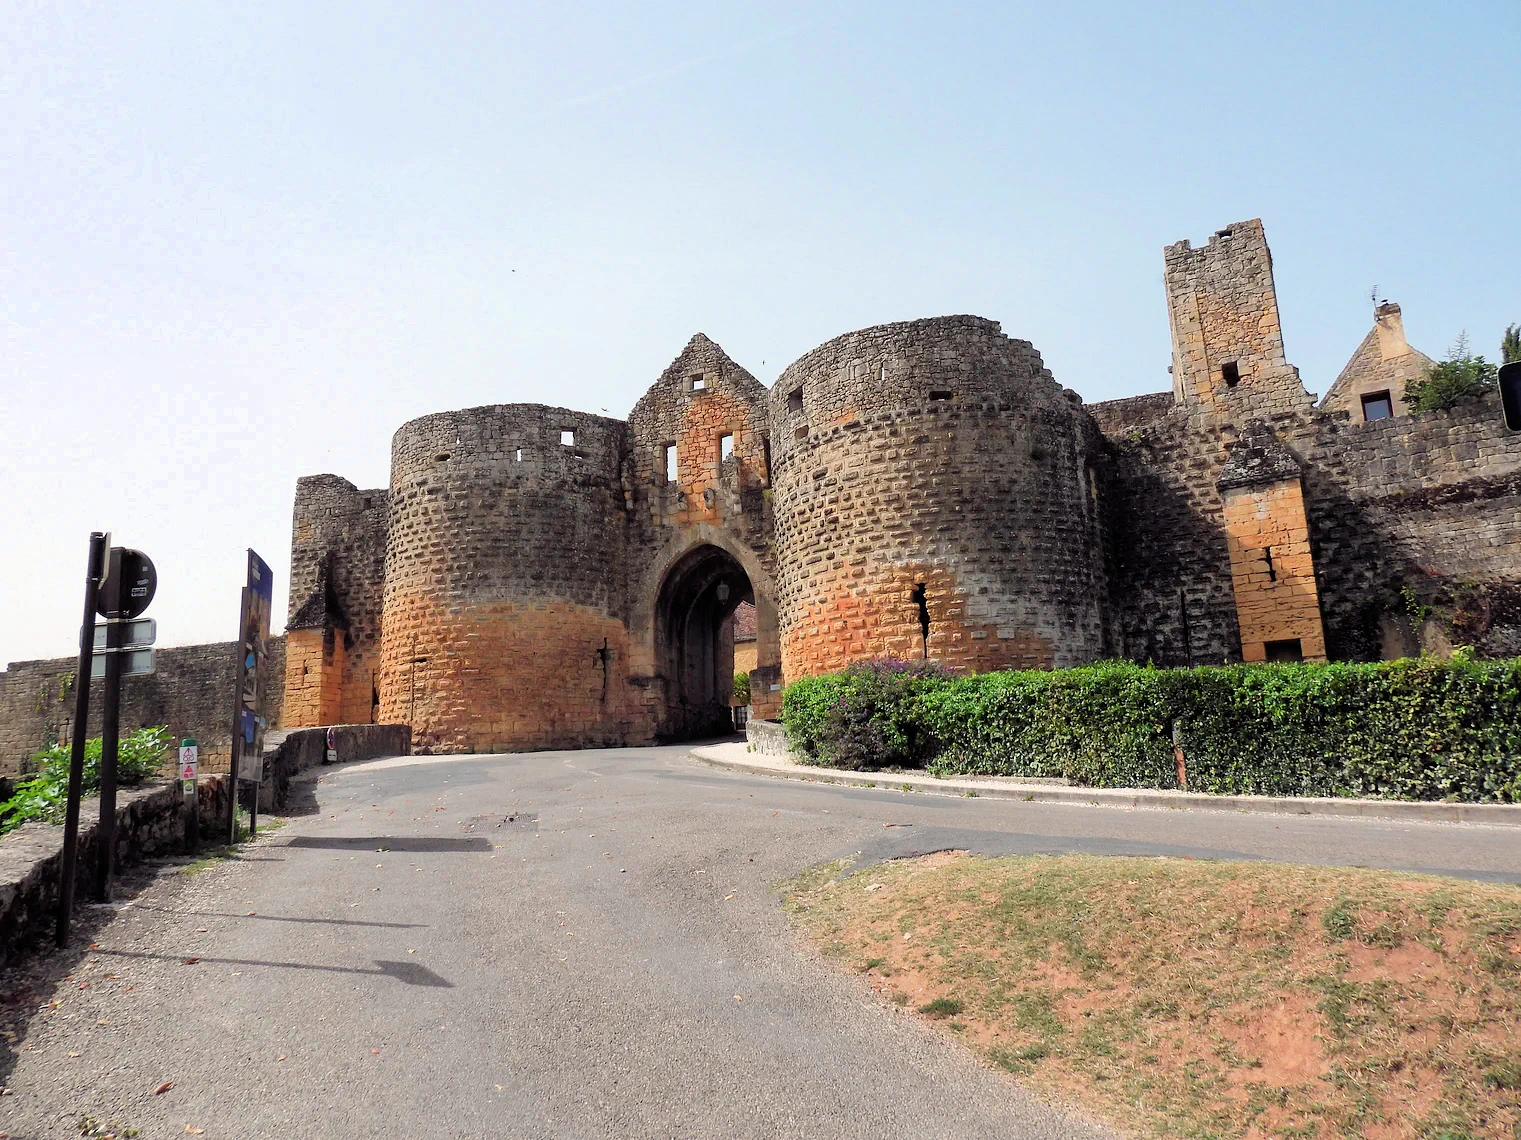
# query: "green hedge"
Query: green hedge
{"points": [[1416, 729]]}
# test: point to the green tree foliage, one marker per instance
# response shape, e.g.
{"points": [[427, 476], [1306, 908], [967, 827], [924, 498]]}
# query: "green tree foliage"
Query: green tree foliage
{"points": [[43, 795], [742, 688], [1510, 344], [1416, 729], [1460, 376]]}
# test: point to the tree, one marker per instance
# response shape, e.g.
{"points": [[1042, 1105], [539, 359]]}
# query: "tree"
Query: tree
{"points": [[1460, 376], [1510, 344]]}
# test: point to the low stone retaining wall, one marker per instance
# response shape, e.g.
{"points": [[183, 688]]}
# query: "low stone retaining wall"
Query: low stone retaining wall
{"points": [[150, 821], [767, 737], [295, 750]]}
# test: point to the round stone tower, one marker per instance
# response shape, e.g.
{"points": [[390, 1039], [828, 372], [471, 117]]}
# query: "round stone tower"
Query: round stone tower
{"points": [[503, 581], [934, 497]]}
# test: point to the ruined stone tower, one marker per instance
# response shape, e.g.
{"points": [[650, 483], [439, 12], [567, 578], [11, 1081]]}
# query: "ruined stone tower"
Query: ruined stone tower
{"points": [[1227, 342]]}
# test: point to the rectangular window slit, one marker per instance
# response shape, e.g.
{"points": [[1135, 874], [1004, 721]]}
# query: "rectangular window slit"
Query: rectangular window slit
{"points": [[518, 456], [940, 395], [1230, 372], [670, 463], [795, 401], [1267, 553], [698, 383], [725, 446], [567, 437]]}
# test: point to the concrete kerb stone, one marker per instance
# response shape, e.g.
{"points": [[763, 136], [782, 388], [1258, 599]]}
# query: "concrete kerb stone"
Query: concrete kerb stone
{"points": [[735, 757]]}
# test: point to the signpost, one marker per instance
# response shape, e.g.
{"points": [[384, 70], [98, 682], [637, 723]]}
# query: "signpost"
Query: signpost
{"points": [[248, 726], [95, 571], [190, 758], [131, 581]]}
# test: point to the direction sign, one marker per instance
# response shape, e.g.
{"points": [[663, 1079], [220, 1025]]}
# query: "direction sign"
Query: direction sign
{"points": [[134, 663], [138, 634], [130, 585]]}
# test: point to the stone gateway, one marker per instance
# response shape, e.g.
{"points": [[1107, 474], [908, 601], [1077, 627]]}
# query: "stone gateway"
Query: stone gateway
{"points": [[536, 577]]}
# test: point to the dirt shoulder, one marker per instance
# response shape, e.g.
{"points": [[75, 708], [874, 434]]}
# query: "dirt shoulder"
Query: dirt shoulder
{"points": [[1183, 998]]}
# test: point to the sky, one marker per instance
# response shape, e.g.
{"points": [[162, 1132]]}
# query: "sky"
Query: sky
{"points": [[243, 243]]}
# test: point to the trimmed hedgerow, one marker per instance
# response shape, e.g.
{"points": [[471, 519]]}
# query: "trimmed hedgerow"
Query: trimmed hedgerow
{"points": [[1417, 729]]}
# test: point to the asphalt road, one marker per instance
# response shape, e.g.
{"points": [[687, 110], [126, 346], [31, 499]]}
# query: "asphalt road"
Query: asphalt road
{"points": [[574, 944]]}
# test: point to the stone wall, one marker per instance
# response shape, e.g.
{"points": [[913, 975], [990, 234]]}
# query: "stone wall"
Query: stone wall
{"points": [[933, 472], [1402, 514], [150, 821], [191, 691]]}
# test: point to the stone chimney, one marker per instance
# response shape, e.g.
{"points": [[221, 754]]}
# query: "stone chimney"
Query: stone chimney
{"points": [[1391, 331]]}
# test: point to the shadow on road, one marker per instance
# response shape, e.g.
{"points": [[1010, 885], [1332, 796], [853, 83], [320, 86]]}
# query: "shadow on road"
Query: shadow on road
{"points": [[408, 973], [283, 918], [389, 843]]}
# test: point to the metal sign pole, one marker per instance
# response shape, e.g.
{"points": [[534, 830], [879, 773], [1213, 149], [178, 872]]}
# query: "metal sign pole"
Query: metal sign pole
{"points": [[110, 728], [99, 541], [240, 674]]}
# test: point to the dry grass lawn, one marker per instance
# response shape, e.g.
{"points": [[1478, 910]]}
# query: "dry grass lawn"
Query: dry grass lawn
{"points": [[1199, 999]]}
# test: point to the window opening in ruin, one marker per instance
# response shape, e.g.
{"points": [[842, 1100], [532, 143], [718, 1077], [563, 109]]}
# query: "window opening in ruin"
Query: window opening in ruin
{"points": [[919, 598], [697, 383], [795, 401], [1267, 554], [766, 456], [1288, 650], [725, 446], [518, 456], [1377, 406], [670, 463], [567, 438], [801, 433], [442, 457], [366, 502], [1230, 372], [882, 372], [940, 395]]}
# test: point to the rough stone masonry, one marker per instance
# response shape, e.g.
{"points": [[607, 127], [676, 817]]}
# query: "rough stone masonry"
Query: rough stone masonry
{"points": [[535, 577]]}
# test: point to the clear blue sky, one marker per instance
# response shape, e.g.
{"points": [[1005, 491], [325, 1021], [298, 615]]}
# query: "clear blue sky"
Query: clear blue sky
{"points": [[264, 236]]}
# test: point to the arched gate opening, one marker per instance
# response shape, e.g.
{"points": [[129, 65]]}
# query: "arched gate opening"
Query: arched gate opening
{"points": [[695, 641]]}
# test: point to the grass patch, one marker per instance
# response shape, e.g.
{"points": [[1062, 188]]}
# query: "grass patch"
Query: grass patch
{"points": [[1204, 999], [941, 1007]]}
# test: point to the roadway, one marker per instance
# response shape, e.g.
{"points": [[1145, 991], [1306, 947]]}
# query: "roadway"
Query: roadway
{"points": [[567, 944]]}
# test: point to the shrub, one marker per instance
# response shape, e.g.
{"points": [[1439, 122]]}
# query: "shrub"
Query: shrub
{"points": [[1459, 377], [742, 688], [1419, 729], [864, 717], [45, 794]]}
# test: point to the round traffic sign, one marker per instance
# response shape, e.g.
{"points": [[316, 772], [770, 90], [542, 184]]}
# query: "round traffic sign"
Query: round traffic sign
{"points": [[130, 586]]}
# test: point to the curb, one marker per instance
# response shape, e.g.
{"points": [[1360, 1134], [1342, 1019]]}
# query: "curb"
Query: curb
{"points": [[1493, 815]]}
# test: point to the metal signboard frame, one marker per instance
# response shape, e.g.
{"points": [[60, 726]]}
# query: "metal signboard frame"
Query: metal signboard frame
{"points": [[252, 674]]}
